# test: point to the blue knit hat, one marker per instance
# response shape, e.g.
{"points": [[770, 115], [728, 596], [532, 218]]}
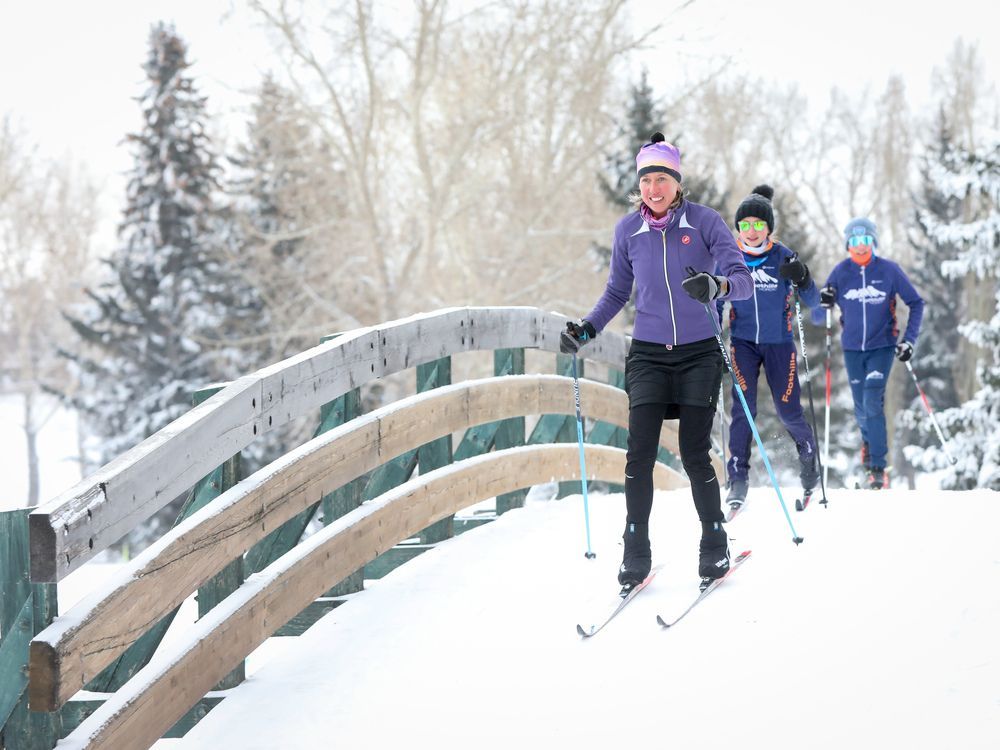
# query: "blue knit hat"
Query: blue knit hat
{"points": [[860, 226]]}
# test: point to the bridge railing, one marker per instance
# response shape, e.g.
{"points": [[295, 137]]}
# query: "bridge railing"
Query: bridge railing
{"points": [[68, 654]]}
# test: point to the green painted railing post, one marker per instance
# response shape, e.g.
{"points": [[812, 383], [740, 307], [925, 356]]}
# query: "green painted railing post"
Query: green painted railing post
{"points": [[347, 498], [557, 428], [603, 433], [139, 653], [437, 453], [231, 577], [510, 433], [25, 610]]}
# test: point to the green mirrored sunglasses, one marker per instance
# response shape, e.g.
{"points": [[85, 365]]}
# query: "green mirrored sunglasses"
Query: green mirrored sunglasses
{"points": [[757, 226]]}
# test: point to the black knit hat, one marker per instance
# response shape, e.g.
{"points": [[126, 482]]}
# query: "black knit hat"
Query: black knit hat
{"points": [[758, 204]]}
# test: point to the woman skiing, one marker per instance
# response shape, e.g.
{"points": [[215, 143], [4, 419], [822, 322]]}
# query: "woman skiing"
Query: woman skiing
{"points": [[671, 249], [865, 286], [761, 336]]}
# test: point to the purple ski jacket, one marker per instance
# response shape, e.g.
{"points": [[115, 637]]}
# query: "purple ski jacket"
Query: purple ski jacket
{"points": [[656, 260]]}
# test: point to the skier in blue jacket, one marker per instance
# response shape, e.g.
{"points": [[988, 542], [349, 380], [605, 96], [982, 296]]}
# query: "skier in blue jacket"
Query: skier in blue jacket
{"points": [[865, 286], [761, 336], [674, 366]]}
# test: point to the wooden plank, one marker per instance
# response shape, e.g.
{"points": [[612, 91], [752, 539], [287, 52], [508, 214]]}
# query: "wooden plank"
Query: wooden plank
{"points": [[95, 513], [74, 712], [178, 677], [76, 647], [102, 508]]}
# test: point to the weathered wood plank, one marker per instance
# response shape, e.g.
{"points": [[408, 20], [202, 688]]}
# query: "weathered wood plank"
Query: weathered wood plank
{"points": [[102, 508], [143, 710], [76, 525], [77, 646]]}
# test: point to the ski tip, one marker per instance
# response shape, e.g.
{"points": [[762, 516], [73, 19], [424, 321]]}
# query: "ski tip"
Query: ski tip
{"points": [[798, 539], [662, 622], [583, 633]]}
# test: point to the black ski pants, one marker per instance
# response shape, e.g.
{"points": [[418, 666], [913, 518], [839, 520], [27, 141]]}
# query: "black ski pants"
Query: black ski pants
{"points": [[644, 424]]}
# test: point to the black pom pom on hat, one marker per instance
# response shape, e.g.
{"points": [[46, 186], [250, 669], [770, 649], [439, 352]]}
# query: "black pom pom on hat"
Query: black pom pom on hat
{"points": [[758, 204], [657, 137]]}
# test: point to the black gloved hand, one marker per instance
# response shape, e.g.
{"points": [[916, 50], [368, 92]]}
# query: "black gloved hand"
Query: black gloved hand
{"points": [[702, 287], [904, 350], [827, 296], [575, 336], [795, 271]]}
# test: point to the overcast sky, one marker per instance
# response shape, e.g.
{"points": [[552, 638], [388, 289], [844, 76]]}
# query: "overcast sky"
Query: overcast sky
{"points": [[71, 70]]}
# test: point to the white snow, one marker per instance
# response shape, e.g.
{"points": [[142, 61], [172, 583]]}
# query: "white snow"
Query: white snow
{"points": [[878, 631]]}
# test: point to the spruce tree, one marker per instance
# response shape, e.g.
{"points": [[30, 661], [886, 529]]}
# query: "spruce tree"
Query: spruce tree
{"points": [[968, 181], [156, 330]]}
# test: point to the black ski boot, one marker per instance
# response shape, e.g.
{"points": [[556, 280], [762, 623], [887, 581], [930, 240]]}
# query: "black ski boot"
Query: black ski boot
{"points": [[877, 478], [808, 471], [713, 553], [637, 559], [736, 498], [737, 492]]}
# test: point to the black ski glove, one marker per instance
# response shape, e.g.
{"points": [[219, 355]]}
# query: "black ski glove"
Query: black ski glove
{"points": [[575, 336], [795, 271], [827, 296], [702, 287], [904, 350]]}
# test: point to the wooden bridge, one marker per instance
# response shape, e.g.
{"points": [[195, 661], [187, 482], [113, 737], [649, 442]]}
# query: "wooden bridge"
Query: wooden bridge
{"points": [[94, 675]]}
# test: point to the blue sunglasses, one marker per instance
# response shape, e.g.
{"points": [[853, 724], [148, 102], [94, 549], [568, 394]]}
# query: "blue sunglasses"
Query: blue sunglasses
{"points": [[861, 239]]}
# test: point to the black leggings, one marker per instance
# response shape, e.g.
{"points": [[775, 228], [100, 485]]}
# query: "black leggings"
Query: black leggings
{"points": [[644, 424]]}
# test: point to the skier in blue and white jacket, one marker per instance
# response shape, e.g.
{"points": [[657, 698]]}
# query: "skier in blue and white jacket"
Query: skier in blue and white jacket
{"points": [[866, 286], [761, 336]]}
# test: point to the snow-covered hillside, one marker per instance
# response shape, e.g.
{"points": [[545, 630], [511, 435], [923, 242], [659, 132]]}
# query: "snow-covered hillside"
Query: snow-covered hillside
{"points": [[879, 631]]}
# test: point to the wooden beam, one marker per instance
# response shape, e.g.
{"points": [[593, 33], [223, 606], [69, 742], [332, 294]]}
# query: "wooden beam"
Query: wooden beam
{"points": [[177, 678], [99, 510], [69, 653]]}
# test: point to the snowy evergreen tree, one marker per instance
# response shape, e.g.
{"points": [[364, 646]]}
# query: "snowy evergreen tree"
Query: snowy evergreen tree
{"points": [[935, 365], [286, 193], [971, 176], [158, 329]]}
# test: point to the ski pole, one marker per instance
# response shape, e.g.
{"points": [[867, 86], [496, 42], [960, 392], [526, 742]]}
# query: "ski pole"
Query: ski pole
{"points": [[753, 426], [930, 413], [829, 380], [590, 555], [809, 385]]}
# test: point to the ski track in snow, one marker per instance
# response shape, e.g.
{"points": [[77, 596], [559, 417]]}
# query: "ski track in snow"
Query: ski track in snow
{"points": [[877, 632]]}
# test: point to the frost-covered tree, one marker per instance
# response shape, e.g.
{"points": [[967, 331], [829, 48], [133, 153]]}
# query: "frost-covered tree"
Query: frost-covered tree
{"points": [[935, 365], [287, 208], [972, 177], [157, 330]]}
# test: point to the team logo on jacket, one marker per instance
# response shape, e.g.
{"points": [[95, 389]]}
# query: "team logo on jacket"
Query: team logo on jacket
{"points": [[868, 295], [763, 280], [686, 239]]}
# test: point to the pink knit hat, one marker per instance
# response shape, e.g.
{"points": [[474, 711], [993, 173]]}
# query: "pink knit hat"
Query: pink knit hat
{"points": [[658, 156]]}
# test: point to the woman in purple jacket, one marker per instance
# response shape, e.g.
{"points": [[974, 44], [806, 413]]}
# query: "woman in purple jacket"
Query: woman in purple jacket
{"points": [[670, 249]]}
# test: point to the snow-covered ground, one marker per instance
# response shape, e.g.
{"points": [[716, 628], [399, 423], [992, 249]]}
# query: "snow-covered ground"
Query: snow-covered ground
{"points": [[879, 631], [59, 466]]}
